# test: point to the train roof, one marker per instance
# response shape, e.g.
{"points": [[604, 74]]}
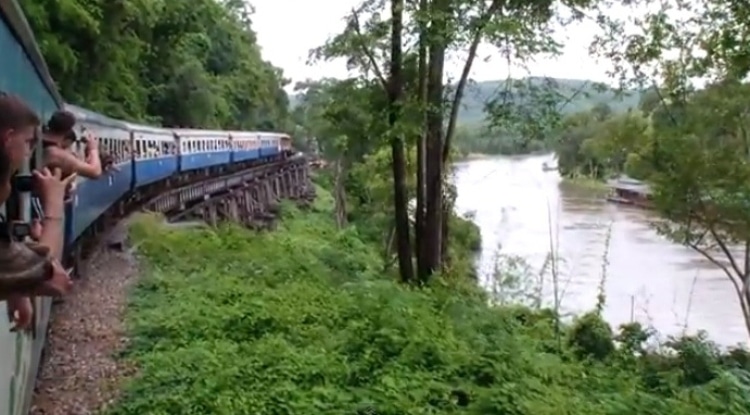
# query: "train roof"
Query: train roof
{"points": [[147, 129], [257, 134], [190, 132], [273, 133], [90, 117]]}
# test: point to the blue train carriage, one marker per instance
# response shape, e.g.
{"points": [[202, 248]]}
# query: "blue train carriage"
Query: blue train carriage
{"points": [[270, 144], [202, 149], [154, 154], [24, 73], [93, 197], [245, 146]]}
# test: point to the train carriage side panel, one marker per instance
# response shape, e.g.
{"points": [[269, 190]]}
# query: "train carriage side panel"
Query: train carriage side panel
{"points": [[155, 154], [93, 197], [273, 148], [270, 143], [23, 73], [246, 145], [200, 149]]}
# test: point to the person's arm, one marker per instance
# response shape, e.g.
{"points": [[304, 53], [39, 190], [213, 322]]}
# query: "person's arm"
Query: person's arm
{"points": [[52, 193], [49, 232], [91, 168]]}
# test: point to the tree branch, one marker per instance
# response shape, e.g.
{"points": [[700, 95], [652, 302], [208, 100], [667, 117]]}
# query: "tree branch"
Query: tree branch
{"points": [[367, 52], [461, 86], [738, 289], [725, 250]]}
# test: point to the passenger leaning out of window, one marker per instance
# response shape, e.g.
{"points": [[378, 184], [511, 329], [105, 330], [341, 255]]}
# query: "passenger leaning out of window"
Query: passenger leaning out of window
{"points": [[18, 124], [57, 154]]}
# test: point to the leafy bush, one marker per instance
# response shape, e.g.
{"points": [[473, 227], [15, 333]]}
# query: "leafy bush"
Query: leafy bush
{"points": [[301, 321]]}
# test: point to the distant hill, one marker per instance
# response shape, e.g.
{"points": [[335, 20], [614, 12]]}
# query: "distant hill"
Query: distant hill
{"points": [[585, 95]]}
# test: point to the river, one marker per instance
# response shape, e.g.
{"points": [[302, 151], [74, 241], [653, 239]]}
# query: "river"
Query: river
{"points": [[520, 209]]}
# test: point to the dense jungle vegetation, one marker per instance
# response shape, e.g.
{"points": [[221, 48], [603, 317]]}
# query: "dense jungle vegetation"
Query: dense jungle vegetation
{"points": [[180, 63], [228, 322]]}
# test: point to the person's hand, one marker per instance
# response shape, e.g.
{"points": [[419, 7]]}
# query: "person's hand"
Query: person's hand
{"points": [[20, 312], [51, 187], [60, 283], [91, 142]]}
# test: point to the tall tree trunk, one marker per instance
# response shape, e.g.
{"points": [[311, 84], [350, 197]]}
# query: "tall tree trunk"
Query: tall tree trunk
{"points": [[481, 24], [434, 146], [395, 96], [422, 101]]}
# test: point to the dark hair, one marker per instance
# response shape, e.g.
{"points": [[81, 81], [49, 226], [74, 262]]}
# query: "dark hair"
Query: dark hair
{"points": [[14, 114], [61, 122], [70, 136]]}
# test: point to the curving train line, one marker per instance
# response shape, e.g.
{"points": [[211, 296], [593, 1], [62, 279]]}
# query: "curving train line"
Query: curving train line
{"points": [[174, 171]]}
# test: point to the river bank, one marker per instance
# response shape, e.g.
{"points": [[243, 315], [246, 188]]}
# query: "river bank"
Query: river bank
{"points": [[586, 183], [527, 214], [227, 321]]}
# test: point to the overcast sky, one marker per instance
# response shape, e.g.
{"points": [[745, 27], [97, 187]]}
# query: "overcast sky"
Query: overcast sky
{"points": [[288, 29]]}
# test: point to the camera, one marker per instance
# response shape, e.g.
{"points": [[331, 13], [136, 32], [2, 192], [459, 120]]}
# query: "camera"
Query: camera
{"points": [[23, 183], [14, 231]]}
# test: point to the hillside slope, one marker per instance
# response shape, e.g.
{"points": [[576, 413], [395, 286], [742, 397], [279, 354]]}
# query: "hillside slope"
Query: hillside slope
{"points": [[585, 95], [582, 94]]}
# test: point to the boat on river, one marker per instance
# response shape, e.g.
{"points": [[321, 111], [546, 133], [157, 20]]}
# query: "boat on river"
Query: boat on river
{"points": [[625, 190]]}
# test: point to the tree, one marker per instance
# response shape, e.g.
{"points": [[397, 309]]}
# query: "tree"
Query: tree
{"points": [[436, 28], [395, 105], [179, 63], [703, 186], [699, 150]]}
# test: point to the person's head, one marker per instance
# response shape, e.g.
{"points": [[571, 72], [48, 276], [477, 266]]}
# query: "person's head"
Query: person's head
{"points": [[59, 124], [18, 123], [69, 139]]}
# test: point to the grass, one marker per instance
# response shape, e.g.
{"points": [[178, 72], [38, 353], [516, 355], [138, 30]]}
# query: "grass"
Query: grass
{"points": [[304, 321]]}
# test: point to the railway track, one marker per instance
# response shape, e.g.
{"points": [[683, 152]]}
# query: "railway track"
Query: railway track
{"points": [[250, 195]]}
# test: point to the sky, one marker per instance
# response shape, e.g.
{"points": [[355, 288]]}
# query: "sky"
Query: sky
{"points": [[288, 29]]}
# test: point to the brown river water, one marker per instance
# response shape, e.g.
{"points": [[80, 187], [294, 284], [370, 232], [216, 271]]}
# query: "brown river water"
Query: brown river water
{"points": [[521, 208]]}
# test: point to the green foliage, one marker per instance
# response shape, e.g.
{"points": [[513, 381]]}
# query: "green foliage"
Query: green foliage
{"points": [[479, 106], [182, 63], [598, 144], [519, 116], [230, 322]]}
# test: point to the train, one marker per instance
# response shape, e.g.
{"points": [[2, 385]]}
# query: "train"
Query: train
{"points": [[149, 160], [142, 162]]}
